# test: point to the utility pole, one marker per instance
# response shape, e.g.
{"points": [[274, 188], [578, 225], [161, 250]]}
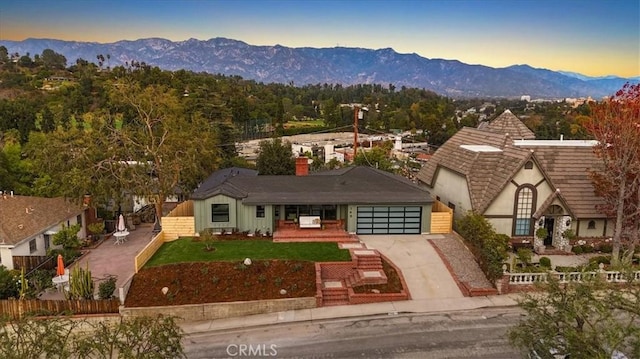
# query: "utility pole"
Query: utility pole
{"points": [[355, 131]]}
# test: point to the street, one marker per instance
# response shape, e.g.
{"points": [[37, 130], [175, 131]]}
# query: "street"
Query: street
{"points": [[470, 334]]}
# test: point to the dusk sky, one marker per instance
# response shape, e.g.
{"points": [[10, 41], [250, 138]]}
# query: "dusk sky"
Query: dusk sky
{"points": [[591, 37]]}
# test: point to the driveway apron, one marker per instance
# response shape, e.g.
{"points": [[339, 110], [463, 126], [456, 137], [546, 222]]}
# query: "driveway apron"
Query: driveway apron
{"points": [[424, 272]]}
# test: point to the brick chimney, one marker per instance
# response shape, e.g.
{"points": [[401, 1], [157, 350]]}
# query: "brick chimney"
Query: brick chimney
{"points": [[302, 166]]}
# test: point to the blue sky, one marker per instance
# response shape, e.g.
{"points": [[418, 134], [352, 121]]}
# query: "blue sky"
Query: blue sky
{"points": [[591, 37]]}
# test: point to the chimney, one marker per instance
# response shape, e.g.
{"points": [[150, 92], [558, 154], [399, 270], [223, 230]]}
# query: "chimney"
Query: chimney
{"points": [[302, 166]]}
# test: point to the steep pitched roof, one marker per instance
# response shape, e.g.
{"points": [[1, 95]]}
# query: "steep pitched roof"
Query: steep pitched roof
{"points": [[23, 217], [353, 185], [568, 168], [508, 123], [469, 152]]}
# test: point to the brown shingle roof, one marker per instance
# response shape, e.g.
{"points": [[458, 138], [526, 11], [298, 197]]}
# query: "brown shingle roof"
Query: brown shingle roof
{"points": [[568, 168], [486, 172], [22, 217], [508, 123]]}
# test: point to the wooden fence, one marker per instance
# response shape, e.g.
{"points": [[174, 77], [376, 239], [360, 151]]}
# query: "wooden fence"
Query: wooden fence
{"points": [[441, 218], [15, 309], [30, 263], [184, 209], [148, 251]]}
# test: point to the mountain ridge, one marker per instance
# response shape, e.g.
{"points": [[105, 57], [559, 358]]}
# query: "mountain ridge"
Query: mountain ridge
{"points": [[334, 65]]}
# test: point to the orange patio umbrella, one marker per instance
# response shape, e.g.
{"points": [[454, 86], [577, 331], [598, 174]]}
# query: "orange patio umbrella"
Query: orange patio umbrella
{"points": [[60, 267]]}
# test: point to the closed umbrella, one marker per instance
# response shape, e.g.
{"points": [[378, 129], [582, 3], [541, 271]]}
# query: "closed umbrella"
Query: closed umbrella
{"points": [[60, 266], [121, 226]]}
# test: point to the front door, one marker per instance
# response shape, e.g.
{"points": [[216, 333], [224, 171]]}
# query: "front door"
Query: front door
{"points": [[549, 223]]}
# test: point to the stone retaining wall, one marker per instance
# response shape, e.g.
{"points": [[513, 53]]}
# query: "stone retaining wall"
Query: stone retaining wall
{"points": [[211, 311]]}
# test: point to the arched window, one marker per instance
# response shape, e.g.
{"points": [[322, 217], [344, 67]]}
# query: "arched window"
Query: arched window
{"points": [[528, 165], [591, 224], [525, 203]]}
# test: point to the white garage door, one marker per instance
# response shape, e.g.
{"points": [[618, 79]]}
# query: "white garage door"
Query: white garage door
{"points": [[388, 220]]}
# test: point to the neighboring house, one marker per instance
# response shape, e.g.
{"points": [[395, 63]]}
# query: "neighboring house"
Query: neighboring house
{"points": [[363, 199], [518, 183], [27, 225]]}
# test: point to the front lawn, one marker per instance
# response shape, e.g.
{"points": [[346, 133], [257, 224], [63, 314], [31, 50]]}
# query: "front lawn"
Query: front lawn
{"points": [[189, 250]]}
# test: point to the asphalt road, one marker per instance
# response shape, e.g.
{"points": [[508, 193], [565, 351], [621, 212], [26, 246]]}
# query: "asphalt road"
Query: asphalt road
{"points": [[469, 334]]}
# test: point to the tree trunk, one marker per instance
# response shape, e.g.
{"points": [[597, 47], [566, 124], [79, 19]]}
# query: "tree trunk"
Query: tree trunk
{"points": [[617, 233]]}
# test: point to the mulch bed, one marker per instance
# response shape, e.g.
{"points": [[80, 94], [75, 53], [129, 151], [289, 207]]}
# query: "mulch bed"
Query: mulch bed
{"points": [[212, 282]]}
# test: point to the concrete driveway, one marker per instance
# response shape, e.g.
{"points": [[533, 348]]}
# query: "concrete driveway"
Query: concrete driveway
{"points": [[424, 272]]}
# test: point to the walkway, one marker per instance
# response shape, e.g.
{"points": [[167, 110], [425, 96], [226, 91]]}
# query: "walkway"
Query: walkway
{"points": [[424, 271]]}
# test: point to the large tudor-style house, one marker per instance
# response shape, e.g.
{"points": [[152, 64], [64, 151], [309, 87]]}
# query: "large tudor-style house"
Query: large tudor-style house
{"points": [[27, 225], [360, 199], [518, 183]]}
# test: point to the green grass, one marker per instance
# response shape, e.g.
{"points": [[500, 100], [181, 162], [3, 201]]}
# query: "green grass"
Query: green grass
{"points": [[306, 123], [186, 250]]}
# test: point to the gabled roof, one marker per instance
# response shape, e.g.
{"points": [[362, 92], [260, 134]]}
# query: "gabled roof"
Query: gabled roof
{"points": [[508, 123], [352, 185], [489, 160], [23, 217], [568, 168], [487, 171]]}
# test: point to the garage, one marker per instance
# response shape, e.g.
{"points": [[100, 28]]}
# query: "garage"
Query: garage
{"points": [[389, 220]]}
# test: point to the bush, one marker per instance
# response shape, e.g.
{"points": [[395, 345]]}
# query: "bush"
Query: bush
{"points": [[545, 262], [67, 237], [576, 249], [489, 248], [106, 288], [605, 248], [8, 283], [587, 249], [524, 255]]}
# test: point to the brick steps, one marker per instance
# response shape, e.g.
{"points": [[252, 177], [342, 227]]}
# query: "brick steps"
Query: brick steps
{"points": [[334, 295], [364, 276]]}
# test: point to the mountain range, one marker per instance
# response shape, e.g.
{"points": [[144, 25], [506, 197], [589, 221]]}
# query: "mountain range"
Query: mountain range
{"points": [[336, 65]]}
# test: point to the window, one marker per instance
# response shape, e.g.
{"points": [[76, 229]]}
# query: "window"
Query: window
{"points": [[33, 246], [47, 242], [523, 208], [260, 211], [219, 212], [79, 219], [591, 225], [528, 165]]}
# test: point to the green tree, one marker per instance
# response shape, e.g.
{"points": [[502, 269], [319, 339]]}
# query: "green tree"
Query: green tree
{"points": [[139, 337], [53, 60], [587, 319], [275, 158], [173, 149], [377, 157]]}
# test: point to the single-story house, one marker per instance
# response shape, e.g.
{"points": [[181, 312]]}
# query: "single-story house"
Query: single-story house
{"points": [[27, 225], [519, 183], [364, 200]]}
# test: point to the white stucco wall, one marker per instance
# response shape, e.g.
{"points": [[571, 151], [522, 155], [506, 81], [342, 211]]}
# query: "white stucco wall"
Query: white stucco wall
{"points": [[585, 232], [452, 187]]}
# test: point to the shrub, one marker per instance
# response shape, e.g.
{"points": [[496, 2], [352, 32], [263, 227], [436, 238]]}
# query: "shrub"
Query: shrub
{"points": [[106, 288], [8, 283], [605, 248], [67, 237], [587, 249], [576, 249], [524, 255], [545, 262], [489, 248]]}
